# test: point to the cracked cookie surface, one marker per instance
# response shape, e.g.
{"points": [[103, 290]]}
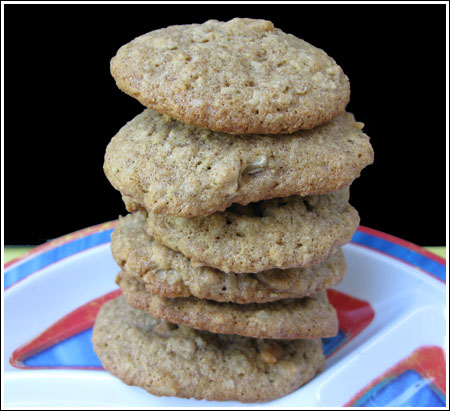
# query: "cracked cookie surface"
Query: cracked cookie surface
{"points": [[278, 233]]}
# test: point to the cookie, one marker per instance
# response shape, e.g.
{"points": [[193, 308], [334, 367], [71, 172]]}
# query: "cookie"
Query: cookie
{"points": [[171, 274], [306, 318], [168, 167], [278, 233], [170, 360], [242, 76]]}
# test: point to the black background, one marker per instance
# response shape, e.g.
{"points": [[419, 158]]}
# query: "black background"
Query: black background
{"points": [[62, 107]]}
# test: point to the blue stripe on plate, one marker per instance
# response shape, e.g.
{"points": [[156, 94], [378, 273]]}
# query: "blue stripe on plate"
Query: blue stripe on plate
{"points": [[75, 351], [330, 345], [408, 389], [20, 271], [403, 253]]}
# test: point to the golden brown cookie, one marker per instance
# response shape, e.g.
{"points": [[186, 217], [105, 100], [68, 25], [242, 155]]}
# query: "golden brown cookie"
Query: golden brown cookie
{"points": [[308, 317], [170, 360], [242, 76], [168, 167], [170, 274], [278, 233]]}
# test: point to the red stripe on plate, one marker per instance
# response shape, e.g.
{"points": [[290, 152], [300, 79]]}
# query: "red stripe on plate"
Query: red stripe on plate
{"points": [[353, 313], [78, 320]]}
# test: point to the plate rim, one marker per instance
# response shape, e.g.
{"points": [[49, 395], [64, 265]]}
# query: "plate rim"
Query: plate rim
{"points": [[413, 250]]}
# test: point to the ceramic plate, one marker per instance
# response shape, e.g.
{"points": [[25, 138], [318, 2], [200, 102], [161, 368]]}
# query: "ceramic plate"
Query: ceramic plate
{"points": [[390, 349]]}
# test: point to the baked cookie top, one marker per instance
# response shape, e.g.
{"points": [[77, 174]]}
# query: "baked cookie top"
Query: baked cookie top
{"points": [[168, 167], [281, 233], [305, 318], [170, 274], [170, 360], [242, 76]]}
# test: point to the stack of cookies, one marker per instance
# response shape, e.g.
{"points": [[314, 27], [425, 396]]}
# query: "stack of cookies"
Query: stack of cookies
{"points": [[236, 177]]}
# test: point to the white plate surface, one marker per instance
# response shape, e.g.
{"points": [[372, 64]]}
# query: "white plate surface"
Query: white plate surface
{"points": [[396, 359]]}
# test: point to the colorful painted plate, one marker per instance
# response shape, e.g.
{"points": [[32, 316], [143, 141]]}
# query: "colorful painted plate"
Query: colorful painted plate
{"points": [[389, 350]]}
